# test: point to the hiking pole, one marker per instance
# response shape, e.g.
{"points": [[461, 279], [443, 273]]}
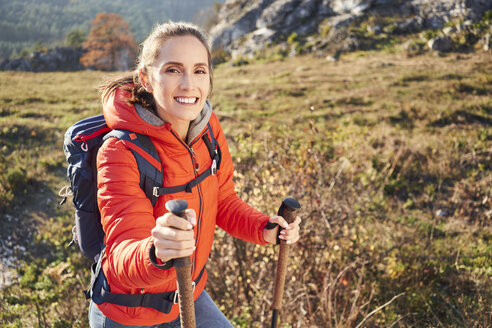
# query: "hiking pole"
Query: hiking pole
{"points": [[288, 211], [183, 273]]}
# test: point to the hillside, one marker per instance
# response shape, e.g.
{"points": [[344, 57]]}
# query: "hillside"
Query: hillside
{"points": [[248, 26], [26, 22], [389, 155]]}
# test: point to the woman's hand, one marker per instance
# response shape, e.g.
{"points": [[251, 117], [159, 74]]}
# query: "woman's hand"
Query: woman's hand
{"points": [[288, 232], [174, 236]]}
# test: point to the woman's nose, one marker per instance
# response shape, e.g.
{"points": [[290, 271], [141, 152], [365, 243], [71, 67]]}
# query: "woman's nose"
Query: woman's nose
{"points": [[187, 82]]}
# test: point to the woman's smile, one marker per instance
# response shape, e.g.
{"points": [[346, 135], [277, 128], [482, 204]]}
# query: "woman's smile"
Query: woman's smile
{"points": [[186, 100]]}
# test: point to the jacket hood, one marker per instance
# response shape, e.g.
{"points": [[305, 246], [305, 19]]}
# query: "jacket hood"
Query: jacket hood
{"points": [[121, 115]]}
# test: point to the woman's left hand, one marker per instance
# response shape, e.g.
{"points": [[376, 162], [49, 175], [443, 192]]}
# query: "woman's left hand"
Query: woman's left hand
{"points": [[288, 232]]}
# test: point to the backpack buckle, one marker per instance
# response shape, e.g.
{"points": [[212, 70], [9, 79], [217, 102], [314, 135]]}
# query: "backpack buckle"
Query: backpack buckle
{"points": [[176, 294], [175, 299], [155, 191], [214, 166]]}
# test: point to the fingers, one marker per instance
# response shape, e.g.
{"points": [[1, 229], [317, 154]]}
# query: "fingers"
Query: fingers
{"points": [[191, 215], [291, 233], [174, 236], [280, 221], [167, 254], [171, 220], [166, 250]]}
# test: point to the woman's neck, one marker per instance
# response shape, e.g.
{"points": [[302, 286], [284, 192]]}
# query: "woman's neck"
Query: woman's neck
{"points": [[181, 128]]}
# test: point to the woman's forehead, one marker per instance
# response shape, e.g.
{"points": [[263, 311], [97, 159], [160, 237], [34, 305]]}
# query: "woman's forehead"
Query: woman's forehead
{"points": [[186, 49]]}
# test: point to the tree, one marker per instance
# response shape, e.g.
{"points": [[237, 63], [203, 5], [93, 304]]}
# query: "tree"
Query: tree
{"points": [[75, 38], [110, 45]]}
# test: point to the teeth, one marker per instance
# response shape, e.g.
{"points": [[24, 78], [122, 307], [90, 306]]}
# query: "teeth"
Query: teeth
{"points": [[186, 100]]}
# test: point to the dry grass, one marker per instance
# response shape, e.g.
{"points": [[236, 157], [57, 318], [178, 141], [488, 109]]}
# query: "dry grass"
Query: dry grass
{"points": [[389, 156]]}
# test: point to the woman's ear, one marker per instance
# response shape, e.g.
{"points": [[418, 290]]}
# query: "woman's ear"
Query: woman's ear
{"points": [[144, 80]]}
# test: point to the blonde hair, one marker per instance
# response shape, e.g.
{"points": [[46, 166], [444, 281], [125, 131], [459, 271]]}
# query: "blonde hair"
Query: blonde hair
{"points": [[149, 51]]}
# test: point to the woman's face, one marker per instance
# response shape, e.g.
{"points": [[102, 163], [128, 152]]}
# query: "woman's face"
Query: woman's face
{"points": [[180, 79]]}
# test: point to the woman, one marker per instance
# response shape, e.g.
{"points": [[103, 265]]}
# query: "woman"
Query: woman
{"points": [[166, 99]]}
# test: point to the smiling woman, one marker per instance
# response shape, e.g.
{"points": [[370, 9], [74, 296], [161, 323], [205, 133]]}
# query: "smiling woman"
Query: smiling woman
{"points": [[165, 98], [179, 80]]}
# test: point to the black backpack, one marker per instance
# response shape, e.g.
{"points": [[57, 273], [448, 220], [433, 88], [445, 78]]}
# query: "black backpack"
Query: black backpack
{"points": [[81, 144]]}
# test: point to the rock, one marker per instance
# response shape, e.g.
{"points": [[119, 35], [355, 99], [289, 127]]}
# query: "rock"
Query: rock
{"points": [[412, 46], [340, 21], [442, 213], [19, 64], [331, 58], [440, 43], [449, 30], [410, 25], [351, 43], [246, 25], [376, 29], [57, 59], [356, 7], [236, 19], [334, 57], [486, 42]]}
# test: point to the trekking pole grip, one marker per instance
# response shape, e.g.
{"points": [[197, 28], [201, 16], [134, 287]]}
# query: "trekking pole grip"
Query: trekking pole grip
{"points": [[288, 210], [182, 266]]}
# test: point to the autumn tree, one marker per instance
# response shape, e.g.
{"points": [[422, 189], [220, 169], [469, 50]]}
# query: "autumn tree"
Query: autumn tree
{"points": [[110, 45]]}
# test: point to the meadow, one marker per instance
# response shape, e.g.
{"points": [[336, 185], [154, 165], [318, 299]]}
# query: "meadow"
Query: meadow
{"points": [[389, 155]]}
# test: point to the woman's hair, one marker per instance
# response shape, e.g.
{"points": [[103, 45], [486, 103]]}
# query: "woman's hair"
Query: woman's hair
{"points": [[149, 51]]}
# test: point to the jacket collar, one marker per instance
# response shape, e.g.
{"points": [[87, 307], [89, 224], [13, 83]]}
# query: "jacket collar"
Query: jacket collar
{"points": [[121, 115]]}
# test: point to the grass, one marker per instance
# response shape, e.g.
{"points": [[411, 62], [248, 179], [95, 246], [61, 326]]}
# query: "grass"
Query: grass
{"points": [[389, 155]]}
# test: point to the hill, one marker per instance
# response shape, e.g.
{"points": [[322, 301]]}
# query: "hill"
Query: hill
{"points": [[389, 155], [327, 26], [25, 22]]}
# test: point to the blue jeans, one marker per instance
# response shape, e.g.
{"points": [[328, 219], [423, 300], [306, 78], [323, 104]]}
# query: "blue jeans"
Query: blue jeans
{"points": [[206, 312]]}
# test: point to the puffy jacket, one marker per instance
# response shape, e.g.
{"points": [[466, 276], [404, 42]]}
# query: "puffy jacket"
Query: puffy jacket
{"points": [[127, 215]]}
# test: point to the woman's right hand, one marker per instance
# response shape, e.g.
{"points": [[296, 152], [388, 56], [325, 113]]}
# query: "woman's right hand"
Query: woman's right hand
{"points": [[174, 236]]}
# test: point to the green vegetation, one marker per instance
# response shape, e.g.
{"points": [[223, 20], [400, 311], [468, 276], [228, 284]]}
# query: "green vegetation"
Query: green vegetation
{"points": [[390, 157], [26, 22]]}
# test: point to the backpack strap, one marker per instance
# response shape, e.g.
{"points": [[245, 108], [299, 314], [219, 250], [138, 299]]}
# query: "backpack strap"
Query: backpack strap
{"points": [[148, 161], [213, 147], [150, 167], [100, 292]]}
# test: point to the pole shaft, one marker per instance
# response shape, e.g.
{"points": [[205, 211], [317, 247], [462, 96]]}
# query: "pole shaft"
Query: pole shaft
{"points": [[280, 274], [288, 211], [185, 291], [182, 266]]}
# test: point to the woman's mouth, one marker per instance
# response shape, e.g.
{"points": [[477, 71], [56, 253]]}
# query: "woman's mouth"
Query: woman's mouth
{"points": [[186, 100]]}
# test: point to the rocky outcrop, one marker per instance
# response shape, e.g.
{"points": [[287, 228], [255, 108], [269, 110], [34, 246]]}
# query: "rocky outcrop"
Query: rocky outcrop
{"points": [[440, 43], [246, 26], [57, 59]]}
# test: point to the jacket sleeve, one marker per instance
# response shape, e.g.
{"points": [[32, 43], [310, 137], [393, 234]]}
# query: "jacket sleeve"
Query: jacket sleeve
{"points": [[234, 215], [127, 218]]}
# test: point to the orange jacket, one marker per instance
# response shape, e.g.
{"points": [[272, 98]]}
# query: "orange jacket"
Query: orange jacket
{"points": [[127, 215]]}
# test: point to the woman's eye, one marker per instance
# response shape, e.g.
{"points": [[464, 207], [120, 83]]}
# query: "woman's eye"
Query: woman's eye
{"points": [[172, 70], [201, 71]]}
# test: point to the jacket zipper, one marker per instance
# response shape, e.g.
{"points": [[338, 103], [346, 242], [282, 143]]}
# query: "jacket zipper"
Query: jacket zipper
{"points": [[193, 156], [84, 137]]}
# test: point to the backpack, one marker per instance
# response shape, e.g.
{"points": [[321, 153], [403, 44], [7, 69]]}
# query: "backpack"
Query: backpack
{"points": [[81, 144]]}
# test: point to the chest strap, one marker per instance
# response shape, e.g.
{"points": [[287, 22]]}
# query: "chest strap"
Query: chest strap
{"points": [[158, 191]]}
